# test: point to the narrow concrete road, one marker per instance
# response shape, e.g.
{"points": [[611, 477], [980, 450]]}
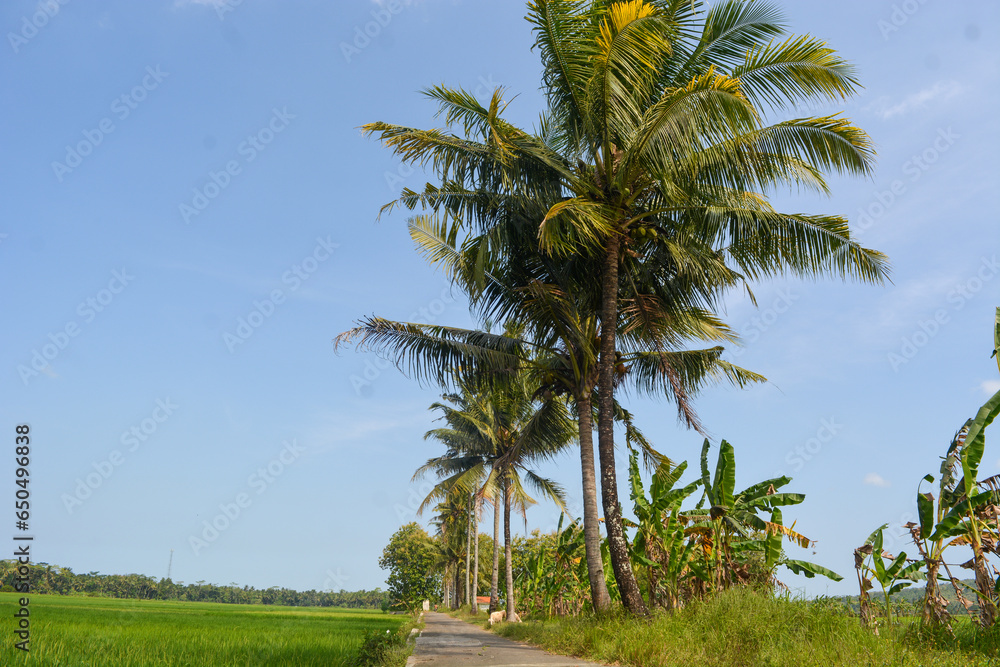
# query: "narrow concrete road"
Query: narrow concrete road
{"points": [[448, 642]]}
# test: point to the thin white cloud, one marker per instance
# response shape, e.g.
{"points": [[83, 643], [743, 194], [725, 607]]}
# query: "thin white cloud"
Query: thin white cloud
{"points": [[901, 308], [990, 387], [876, 479], [885, 108], [367, 426]]}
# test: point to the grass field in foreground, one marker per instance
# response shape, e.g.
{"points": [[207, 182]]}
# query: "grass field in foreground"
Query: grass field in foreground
{"points": [[740, 628], [78, 631]]}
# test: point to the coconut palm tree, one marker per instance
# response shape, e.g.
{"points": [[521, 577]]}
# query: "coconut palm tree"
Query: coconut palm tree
{"points": [[451, 520], [495, 432], [655, 140], [561, 354]]}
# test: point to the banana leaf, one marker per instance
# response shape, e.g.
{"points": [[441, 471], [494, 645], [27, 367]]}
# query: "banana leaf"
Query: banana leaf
{"points": [[724, 483], [760, 488], [810, 570], [925, 509], [877, 556], [975, 439], [948, 526], [877, 531], [772, 552]]}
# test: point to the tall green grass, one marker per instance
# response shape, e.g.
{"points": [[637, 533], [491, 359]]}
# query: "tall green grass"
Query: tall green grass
{"points": [[81, 631], [741, 627]]}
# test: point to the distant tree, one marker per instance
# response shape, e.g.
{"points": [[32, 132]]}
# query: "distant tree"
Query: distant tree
{"points": [[409, 557]]}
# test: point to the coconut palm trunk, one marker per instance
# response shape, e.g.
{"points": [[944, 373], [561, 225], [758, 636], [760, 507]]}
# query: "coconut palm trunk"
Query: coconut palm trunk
{"points": [[468, 554], [495, 577], [628, 587], [508, 566], [445, 581], [475, 563], [599, 596]]}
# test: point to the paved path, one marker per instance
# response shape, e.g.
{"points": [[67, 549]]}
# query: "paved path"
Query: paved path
{"points": [[448, 642]]}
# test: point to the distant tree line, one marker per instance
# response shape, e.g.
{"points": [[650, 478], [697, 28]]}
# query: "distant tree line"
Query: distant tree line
{"points": [[52, 579]]}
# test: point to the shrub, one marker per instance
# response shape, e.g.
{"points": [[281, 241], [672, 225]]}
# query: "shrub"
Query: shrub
{"points": [[377, 647]]}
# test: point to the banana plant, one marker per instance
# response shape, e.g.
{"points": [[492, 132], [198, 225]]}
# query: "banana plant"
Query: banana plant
{"points": [[973, 517], [893, 573], [735, 529], [661, 544], [931, 543], [735, 539], [553, 579], [964, 513]]}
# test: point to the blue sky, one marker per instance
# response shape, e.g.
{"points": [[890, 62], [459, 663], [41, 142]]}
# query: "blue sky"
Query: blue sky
{"points": [[189, 219]]}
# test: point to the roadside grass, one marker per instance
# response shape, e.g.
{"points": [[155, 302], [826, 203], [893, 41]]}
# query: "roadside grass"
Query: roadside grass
{"points": [[464, 613], [103, 632], [745, 628]]}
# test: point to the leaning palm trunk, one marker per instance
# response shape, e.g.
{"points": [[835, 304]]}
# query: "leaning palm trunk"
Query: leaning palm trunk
{"points": [[591, 520], [617, 542], [508, 566], [495, 577]]}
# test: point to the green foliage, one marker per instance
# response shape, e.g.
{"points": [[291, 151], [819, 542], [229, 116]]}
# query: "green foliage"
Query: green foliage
{"points": [[966, 513], [613, 231], [377, 648], [660, 544], [550, 572], [893, 573], [410, 557], [737, 540], [48, 578], [745, 627]]}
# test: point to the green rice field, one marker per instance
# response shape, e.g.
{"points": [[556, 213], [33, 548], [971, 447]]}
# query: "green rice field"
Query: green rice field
{"points": [[78, 631]]}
